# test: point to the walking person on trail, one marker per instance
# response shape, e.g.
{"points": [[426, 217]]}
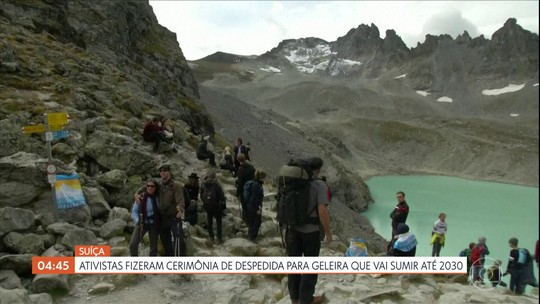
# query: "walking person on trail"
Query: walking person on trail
{"points": [[253, 196], [305, 240], [191, 197], [227, 161], [245, 173], [478, 253], [213, 199], [146, 218], [240, 148], [520, 268], [400, 212], [438, 234], [171, 198]]}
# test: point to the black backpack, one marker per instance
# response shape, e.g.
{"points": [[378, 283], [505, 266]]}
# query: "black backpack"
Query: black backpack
{"points": [[210, 198], [294, 186]]}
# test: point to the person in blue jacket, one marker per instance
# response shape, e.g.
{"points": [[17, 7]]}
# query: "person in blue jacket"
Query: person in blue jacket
{"points": [[146, 218]]}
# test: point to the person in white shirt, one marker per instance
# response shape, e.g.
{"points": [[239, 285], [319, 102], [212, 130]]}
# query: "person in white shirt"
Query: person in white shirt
{"points": [[438, 234]]}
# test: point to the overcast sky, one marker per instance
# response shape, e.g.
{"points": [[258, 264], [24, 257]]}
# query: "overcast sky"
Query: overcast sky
{"points": [[254, 27]]}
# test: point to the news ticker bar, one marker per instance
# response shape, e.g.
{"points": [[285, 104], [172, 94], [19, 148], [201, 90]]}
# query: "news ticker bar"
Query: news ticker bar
{"points": [[248, 265]]}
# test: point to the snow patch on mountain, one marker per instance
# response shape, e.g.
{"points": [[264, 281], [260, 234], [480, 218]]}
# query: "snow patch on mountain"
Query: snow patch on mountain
{"points": [[270, 69], [535, 85], [342, 66], [445, 99], [401, 76], [508, 89], [514, 115], [423, 93], [309, 60]]}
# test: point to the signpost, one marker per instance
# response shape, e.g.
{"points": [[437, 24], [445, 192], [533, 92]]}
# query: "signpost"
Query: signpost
{"points": [[53, 124]]}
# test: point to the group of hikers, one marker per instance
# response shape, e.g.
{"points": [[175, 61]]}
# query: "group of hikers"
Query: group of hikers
{"points": [[162, 205], [520, 268]]}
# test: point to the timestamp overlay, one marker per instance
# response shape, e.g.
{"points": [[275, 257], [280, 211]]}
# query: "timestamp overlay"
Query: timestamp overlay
{"points": [[95, 259]]}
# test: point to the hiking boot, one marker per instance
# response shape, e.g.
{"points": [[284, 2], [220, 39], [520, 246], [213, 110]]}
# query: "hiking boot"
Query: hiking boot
{"points": [[318, 299]]}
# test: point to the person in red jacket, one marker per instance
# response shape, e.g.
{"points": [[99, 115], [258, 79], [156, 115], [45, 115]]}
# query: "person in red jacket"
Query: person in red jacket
{"points": [[152, 132]]}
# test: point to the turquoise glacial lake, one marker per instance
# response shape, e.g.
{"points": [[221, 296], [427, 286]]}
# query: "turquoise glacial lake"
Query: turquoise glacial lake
{"points": [[473, 208]]}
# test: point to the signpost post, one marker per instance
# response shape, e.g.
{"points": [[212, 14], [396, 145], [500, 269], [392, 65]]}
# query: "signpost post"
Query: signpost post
{"points": [[53, 124]]}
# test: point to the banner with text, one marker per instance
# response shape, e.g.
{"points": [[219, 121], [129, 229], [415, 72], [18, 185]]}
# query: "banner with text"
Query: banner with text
{"points": [[68, 191]]}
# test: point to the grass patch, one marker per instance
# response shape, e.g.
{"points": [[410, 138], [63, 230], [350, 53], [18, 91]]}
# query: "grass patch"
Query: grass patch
{"points": [[221, 141], [192, 105], [395, 132]]}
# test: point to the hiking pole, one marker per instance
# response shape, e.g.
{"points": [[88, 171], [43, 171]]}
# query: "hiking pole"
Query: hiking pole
{"points": [[141, 234]]}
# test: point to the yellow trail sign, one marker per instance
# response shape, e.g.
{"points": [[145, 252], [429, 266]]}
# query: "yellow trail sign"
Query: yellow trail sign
{"points": [[41, 128], [33, 129], [60, 118]]}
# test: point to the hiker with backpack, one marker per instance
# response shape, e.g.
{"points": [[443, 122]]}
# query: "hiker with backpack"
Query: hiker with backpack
{"points": [[214, 202], [145, 216], [171, 211], [520, 268], [478, 253], [191, 197], [245, 173], [438, 234], [467, 253], [302, 210], [253, 196]]}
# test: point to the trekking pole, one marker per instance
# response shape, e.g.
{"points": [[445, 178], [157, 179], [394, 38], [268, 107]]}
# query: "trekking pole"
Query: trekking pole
{"points": [[141, 234]]}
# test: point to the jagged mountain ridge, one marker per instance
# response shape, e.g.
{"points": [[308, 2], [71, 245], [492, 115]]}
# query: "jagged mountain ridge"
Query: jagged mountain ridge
{"points": [[470, 102], [369, 56]]}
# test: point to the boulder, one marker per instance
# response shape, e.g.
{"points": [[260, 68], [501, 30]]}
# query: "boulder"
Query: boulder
{"points": [[41, 298], [113, 179], [240, 247], [101, 288], [24, 167], [14, 296], [97, 203], [79, 236], [60, 228], [24, 243], [50, 282], [20, 263], [115, 151], [113, 228], [9, 280], [120, 213], [269, 229], [80, 215], [15, 219], [15, 194]]}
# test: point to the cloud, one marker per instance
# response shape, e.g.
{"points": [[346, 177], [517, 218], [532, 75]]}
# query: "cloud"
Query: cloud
{"points": [[451, 23]]}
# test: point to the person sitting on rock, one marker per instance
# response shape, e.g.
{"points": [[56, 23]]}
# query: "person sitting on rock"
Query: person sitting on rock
{"points": [[154, 132], [227, 162], [146, 218], [203, 153], [495, 275], [405, 244]]}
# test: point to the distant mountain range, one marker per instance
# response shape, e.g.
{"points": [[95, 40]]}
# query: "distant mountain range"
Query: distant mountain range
{"points": [[464, 107]]}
